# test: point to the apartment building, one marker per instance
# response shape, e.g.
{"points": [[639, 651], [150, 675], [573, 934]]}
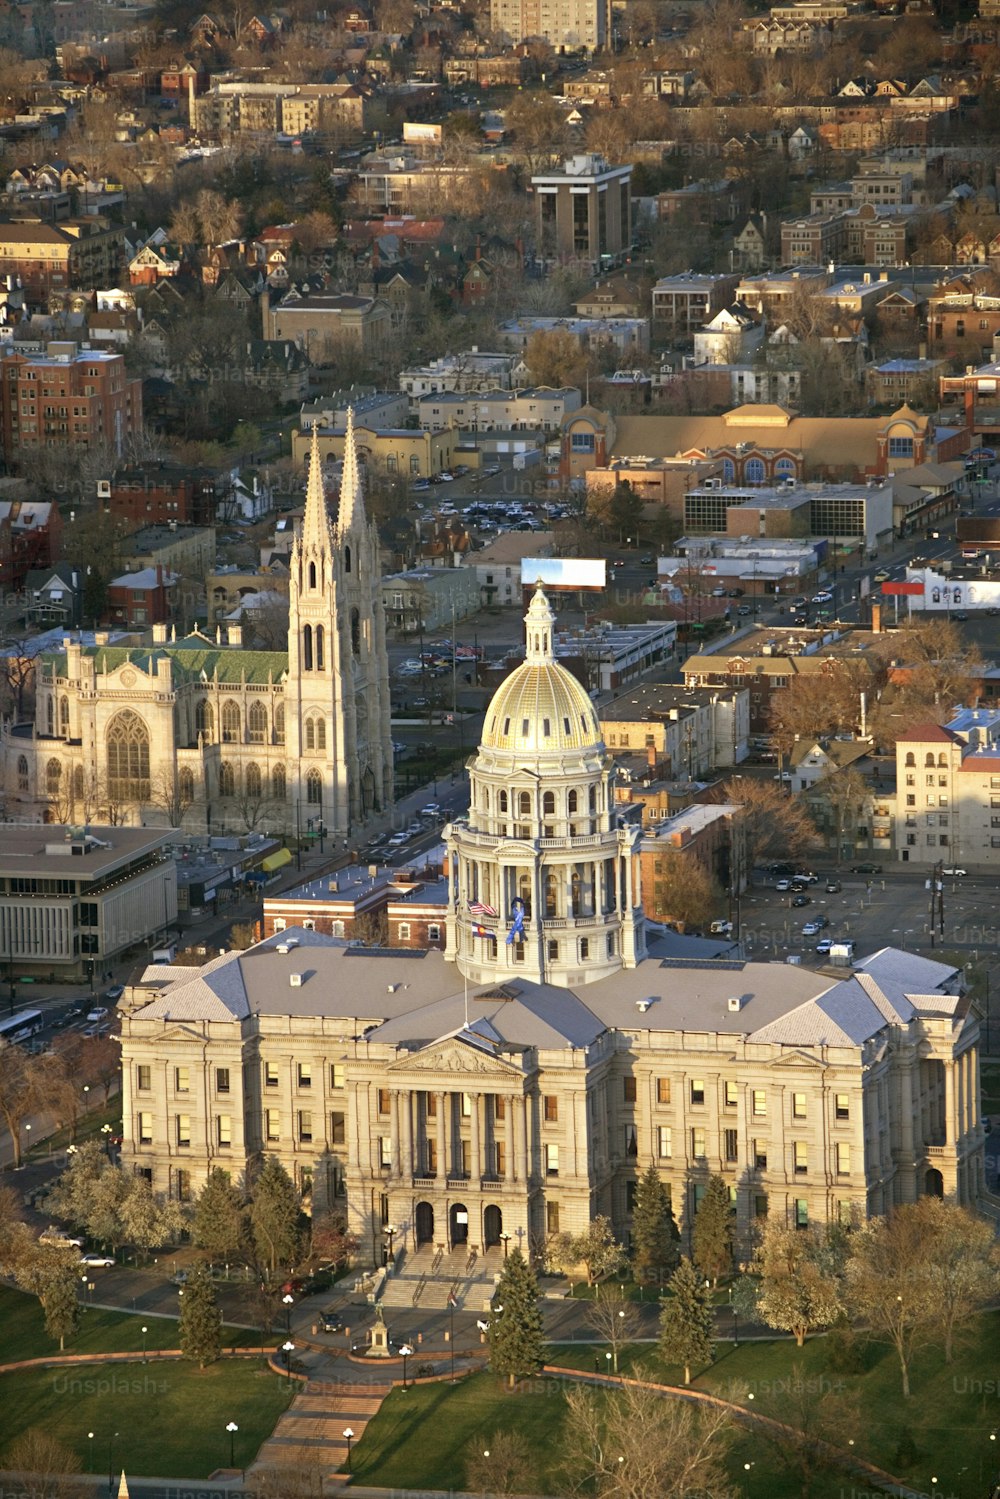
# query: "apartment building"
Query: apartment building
{"points": [[66, 394], [584, 211], [539, 408], [566, 24], [948, 791], [47, 257]]}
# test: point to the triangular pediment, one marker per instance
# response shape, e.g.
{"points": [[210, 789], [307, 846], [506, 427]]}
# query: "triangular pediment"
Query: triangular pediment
{"points": [[797, 1059], [456, 1054]]}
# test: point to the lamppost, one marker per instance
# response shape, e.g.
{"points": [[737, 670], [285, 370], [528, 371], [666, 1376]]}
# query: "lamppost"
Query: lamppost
{"points": [[144, 1332], [451, 1332], [288, 1348], [746, 1481], [348, 1438], [232, 1428], [289, 1302], [406, 1350], [505, 1240], [90, 1452], [27, 1143], [621, 1329], [608, 1359], [390, 1233], [112, 1439]]}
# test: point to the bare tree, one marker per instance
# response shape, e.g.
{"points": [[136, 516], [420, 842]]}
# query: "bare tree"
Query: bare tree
{"points": [[615, 1320], [46, 1467], [172, 794]]}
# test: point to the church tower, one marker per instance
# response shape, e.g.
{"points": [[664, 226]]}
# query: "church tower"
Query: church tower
{"points": [[337, 726], [543, 872]]}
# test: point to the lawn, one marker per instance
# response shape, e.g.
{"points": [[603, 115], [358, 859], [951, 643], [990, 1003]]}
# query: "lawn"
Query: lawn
{"points": [[100, 1331], [154, 1419], [990, 1094]]}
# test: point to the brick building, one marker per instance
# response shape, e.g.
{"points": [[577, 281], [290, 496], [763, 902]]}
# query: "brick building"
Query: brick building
{"points": [[155, 494], [30, 536], [83, 254], [67, 395]]}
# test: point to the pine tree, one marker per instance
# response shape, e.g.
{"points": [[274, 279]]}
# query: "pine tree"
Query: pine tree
{"points": [[712, 1235], [200, 1321], [687, 1324], [219, 1226], [655, 1235], [274, 1216], [61, 1305], [516, 1344]]}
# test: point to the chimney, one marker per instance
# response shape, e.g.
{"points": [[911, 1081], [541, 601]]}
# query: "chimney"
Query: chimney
{"points": [[651, 756], [234, 635], [876, 619], [922, 349], [970, 407], [160, 633]]}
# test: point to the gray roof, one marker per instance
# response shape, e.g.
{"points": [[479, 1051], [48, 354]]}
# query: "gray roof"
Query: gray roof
{"points": [[412, 998]]}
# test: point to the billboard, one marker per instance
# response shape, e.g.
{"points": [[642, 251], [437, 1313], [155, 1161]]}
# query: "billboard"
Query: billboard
{"points": [[943, 593], [414, 133], [903, 588], [565, 574]]}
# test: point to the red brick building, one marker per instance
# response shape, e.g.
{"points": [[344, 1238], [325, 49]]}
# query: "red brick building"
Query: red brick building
{"points": [[30, 536], [80, 254], [138, 600], [156, 494], [68, 395]]}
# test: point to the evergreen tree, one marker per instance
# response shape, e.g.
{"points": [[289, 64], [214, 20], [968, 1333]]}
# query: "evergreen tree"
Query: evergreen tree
{"points": [[712, 1235], [516, 1345], [219, 1226], [655, 1235], [274, 1216], [61, 1304], [200, 1321], [687, 1325]]}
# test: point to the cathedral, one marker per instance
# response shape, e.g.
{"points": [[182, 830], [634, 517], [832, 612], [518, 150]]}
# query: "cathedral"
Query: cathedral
{"points": [[201, 734], [518, 1083]]}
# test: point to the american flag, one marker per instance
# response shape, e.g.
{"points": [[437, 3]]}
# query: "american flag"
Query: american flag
{"points": [[479, 908]]}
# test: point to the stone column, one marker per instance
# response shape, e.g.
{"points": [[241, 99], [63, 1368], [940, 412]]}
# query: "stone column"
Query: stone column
{"points": [[406, 1104], [520, 1163], [475, 1152], [906, 1110], [442, 1136], [949, 1103], [394, 1131], [525, 1112], [510, 1104]]}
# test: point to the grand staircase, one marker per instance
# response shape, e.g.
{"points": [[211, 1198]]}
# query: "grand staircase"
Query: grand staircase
{"points": [[429, 1277]]}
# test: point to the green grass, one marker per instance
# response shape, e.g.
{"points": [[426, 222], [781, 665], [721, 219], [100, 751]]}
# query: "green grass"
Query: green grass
{"points": [[101, 1331], [990, 1093], [88, 1127], [166, 1419]]}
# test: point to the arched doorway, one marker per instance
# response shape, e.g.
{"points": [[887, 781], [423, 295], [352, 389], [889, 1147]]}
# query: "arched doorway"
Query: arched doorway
{"points": [[458, 1223], [424, 1223], [492, 1225], [933, 1183]]}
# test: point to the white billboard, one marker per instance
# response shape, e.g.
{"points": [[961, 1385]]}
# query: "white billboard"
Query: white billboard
{"points": [[943, 594], [414, 132], [565, 574]]}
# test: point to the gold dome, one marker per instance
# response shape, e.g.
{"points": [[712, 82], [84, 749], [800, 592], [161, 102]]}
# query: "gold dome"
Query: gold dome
{"points": [[541, 707]]}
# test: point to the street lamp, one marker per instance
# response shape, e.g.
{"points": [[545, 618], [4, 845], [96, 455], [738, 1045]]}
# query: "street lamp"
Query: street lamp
{"points": [[112, 1439], [144, 1332], [348, 1438], [289, 1302], [390, 1233], [232, 1428], [451, 1333], [505, 1240], [288, 1348], [406, 1350]]}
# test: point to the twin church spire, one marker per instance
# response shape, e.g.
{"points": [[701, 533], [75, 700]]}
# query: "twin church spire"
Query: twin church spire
{"points": [[318, 534]]}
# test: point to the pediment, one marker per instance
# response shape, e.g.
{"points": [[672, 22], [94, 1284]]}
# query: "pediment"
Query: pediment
{"points": [[797, 1059], [455, 1055]]}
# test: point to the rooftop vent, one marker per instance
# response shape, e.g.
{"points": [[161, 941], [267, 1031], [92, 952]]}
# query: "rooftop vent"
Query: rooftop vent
{"points": [[282, 947], [642, 1005], [295, 981], [734, 1004]]}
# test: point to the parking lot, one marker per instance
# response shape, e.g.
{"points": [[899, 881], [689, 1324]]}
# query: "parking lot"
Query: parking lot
{"points": [[890, 909]]}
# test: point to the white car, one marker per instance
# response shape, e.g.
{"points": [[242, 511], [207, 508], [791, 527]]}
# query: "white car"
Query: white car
{"points": [[721, 929], [823, 597], [783, 885], [954, 871], [97, 1261], [94, 1017]]}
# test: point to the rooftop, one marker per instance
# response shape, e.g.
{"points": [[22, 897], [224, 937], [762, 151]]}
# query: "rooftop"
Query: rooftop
{"points": [[61, 852]]}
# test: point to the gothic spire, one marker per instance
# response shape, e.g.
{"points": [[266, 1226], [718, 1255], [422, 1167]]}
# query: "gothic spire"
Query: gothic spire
{"points": [[316, 520], [352, 496]]}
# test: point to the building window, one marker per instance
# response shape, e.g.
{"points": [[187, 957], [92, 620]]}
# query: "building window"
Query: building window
{"points": [[270, 1074], [222, 1079], [227, 780], [629, 1089], [759, 1105], [145, 1129], [798, 1105], [760, 1155], [698, 1144], [305, 1126], [843, 1158], [338, 1128], [182, 1182], [224, 1131], [730, 1096], [552, 1160], [801, 1213], [182, 1080], [128, 758], [434, 935], [143, 1077], [383, 1101], [697, 1090], [842, 1106], [336, 1074], [230, 722], [631, 1141], [730, 1144], [801, 1155], [552, 1217], [663, 1090], [183, 1129], [272, 1122], [314, 788], [305, 1074], [257, 724], [551, 1104]]}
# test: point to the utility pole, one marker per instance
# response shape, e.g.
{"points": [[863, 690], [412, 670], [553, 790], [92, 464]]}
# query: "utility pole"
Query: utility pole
{"points": [[936, 887]]}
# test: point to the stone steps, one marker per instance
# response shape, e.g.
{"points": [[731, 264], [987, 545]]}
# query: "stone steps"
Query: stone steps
{"points": [[310, 1434]]}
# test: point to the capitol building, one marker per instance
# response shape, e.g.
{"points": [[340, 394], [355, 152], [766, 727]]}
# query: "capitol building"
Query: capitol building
{"points": [[518, 1083]]}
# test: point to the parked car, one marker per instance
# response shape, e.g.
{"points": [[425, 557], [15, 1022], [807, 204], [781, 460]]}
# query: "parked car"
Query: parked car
{"points": [[823, 945], [59, 1240], [953, 870], [113, 994], [807, 876], [813, 927], [721, 929], [783, 885], [882, 576], [833, 887], [97, 1261], [744, 609], [960, 615], [801, 900], [294, 1286], [866, 869], [432, 809], [330, 1321], [96, 1015], [823, 597]]}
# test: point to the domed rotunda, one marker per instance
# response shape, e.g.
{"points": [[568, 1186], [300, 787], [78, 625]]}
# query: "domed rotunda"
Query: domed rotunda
{"points": [[543, 872]]}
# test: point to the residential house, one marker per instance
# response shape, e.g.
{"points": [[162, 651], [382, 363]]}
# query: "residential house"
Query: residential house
{"points": [[30, 537]]}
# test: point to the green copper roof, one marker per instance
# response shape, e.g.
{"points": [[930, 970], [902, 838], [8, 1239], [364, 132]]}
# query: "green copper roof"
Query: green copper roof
{"points": [[230, 665]]}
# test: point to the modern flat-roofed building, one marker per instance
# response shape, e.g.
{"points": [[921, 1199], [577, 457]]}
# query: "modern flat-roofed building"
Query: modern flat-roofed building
{"points": [[584, 211], [566, 25]]}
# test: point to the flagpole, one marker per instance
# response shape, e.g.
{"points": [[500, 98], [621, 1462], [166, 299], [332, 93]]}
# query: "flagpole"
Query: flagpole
{"points": [[466, 978]]}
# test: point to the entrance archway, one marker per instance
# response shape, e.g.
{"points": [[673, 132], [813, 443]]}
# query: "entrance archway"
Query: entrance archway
{"points": [[934, 1183], [492, 1225], [424, 1223], [458, 1223]]}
